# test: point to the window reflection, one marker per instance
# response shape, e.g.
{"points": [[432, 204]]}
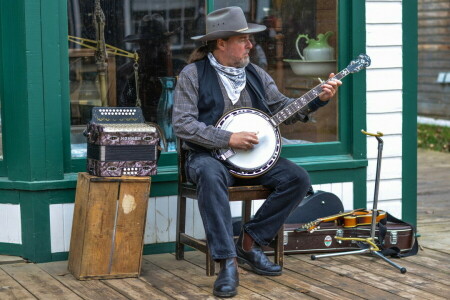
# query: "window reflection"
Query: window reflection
{"points": [[285, 21], [159, 32]]}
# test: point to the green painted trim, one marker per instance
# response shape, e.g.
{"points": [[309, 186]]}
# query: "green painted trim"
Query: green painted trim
{"points": [[409, 128], [148, 249], [51, 70], [32, 96], [335, 162], [352, 23], [336, 176], [159, 248], [2, 27], [69, 181], [35, 216], [59, 256], [209, 6], [360, 188], [11, 249], [9, 197], [13, 93], [168, 176], [65, 84]]}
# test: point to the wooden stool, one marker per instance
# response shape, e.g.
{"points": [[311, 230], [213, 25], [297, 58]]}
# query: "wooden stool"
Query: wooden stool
{"points": [[246, 194], [108, 226]]}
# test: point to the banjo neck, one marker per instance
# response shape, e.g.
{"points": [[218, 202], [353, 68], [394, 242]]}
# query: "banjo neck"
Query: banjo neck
{"points": [[301, 102]]}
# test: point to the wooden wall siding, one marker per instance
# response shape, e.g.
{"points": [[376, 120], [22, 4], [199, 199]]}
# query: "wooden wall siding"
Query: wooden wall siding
{"points": [[10, 224], [161, 217], [61, 216], [384, 101], [434, 57]]}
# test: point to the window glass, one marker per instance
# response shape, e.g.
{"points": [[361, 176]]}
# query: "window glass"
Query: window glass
{"points": [[158, 31], [276, 51]]}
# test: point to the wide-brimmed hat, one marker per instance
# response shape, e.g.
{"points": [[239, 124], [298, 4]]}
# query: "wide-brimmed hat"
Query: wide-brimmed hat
{"points": [[151, 27], [226, 22]]}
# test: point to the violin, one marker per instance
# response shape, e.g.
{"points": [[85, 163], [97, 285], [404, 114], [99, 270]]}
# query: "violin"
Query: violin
{"points": [[350, 219]]}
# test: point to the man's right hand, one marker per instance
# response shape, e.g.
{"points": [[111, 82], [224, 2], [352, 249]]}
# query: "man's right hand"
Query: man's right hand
{"points": [[243, 140]]}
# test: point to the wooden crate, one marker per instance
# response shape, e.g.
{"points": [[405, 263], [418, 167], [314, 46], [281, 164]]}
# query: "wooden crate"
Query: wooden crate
{"points": [[108, 226]]}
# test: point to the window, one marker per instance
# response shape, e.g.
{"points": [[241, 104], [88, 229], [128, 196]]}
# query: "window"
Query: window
{"points": [[158, 31], [276, 51]]}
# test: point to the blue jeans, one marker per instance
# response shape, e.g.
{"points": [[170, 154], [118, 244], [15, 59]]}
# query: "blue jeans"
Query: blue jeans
{"points": [[288, 181]]}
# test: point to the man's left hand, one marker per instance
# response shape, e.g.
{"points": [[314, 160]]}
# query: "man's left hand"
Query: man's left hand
{"points": [[329, 88]]}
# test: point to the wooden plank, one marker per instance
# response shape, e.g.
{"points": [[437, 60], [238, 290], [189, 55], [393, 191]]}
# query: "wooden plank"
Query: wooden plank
{"points": [[38, 282], [10, 289], [173, 286], [56, 228], [321, 272], [438, 254], [425, 272], [129, 230], [411, 282], [311, 287], [432, 262], [195, 274], [162, 219], [256, 283], [8, 259], [134, 288], [150, 226], [86, 289], [67, 223], [95, 258], [77, 235]]}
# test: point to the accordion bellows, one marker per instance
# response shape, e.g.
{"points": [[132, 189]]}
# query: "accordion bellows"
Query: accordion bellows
{"points": [[120, 143]]}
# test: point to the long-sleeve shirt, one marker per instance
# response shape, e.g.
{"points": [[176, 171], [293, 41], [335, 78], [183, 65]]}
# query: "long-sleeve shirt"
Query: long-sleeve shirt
{"points": [[185, 111]]}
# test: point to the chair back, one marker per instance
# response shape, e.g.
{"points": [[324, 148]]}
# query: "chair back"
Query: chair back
{"points": [[181, 161]]}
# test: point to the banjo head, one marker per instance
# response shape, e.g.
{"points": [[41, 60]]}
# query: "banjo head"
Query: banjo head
{"points": [[254, 162]]}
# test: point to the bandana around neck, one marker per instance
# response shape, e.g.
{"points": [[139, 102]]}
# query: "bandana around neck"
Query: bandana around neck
{"points": [[233, 79]]}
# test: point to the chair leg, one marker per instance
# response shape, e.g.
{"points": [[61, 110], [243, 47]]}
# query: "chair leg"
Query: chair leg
{"points": [[279, 247], [181, 226], [246, 211], [210, 264]]}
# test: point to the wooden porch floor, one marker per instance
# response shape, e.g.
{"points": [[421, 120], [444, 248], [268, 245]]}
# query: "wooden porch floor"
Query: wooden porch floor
{"points": [[345, 277], [162, 277]]}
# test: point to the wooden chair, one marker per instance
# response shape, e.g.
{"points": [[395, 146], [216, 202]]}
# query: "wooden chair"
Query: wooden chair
{"points": [[246, 194]]}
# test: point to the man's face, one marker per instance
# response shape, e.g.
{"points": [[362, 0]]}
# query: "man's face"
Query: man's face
{"points": [[236, 51]]}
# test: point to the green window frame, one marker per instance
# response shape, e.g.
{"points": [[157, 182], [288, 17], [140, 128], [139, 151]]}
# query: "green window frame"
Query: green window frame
{"points": [[56, 161], [2, 164], [350, 150]]}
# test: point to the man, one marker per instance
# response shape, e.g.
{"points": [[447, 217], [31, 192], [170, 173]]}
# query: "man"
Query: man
{"points": [[213, 85]]}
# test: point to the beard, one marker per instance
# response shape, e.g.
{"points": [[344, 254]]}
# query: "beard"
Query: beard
{"points": [[243, 62]]}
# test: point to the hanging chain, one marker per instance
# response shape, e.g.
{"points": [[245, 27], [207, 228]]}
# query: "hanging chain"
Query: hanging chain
{"points": [[136, 80]]}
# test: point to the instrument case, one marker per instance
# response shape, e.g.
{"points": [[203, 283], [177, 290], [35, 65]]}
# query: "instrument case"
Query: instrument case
{"points": [[323, 240]]}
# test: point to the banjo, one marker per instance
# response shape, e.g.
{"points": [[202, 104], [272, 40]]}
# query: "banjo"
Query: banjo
{"points": [[257, 161]]}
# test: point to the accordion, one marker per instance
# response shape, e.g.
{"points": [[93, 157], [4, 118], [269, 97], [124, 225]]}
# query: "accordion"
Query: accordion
{"points": [[120, 143]]}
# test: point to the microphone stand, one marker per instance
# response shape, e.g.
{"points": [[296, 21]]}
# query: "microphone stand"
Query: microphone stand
{"points": [[368, 245]]}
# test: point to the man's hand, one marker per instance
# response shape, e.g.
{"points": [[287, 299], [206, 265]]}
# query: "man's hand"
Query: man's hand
{"points": [[243, 140], [329, 89]]}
